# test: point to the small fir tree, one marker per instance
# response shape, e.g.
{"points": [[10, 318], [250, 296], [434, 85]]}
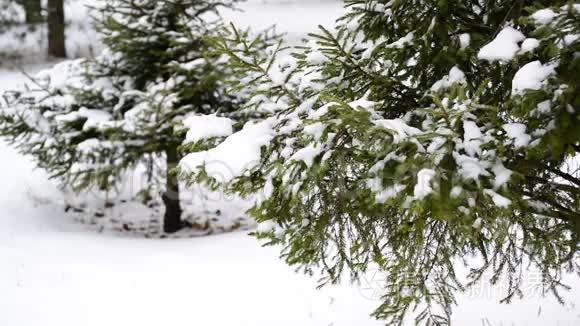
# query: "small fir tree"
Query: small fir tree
{"points": [[87, 122], [417, 136]]}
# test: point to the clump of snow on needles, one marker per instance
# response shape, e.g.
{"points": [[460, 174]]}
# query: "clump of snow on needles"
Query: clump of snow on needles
{"points": [[423, 187], [207, 126], [517, 132], [543, 16], [399, 127], [502, 175], [455, 76], [307, 154], [472, 138], [235, 155], [402, 42], [498, 199], [388, 193], [464, 40], [93, 117], [504, 47], [529, 45], [531, 76]]}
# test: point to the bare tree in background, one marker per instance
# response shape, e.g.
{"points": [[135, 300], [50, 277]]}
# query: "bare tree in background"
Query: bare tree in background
{"points": [[56, 25]]}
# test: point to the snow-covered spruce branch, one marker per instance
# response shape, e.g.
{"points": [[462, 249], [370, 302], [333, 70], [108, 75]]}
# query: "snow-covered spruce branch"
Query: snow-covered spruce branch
{"points": [[423, 134]]}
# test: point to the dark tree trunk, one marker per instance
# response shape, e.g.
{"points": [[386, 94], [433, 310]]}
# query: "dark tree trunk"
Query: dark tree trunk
{"points": [[33, 12], [56, 37], [172, 220]]}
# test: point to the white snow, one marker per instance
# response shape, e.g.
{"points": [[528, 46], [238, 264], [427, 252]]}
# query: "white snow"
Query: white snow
{"points": [[399, 127], [94, 117], [569, 39], [192, 65], [315, 130], [423, 187], [456, 192], [543, 16], [201, 127], [471, 131], [455, 76], [362, 103], [471, 167], [504, 47], [268, 226], [517, 132], [307, 154], [502, 175], [531, 76], [529, 45], [388, 193], [498, 199], [61, 74], [295, 18], [237, 154], [68, 275], [464, 40], [316, 58], [402, 42], [544, 107], [473, 138], [92, 144]]}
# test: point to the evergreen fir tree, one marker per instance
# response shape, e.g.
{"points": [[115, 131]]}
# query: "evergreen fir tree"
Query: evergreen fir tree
{"points": [[89, 121], [416, 137]]}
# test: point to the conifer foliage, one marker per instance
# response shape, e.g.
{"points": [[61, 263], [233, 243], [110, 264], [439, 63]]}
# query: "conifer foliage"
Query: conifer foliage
{"points": [[415, 137], [89, 121]]}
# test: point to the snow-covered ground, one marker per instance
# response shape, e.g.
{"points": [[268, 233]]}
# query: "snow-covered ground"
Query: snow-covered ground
{"points": [[56, 272], [294, 18]]}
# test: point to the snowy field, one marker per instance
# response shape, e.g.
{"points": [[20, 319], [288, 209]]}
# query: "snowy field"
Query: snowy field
{"points": [[56, 272]]}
